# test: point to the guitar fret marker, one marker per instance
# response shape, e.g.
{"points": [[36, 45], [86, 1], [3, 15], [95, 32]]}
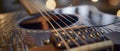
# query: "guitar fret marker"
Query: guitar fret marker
{"points": [[83, 37], [63, 33], [59, 44], [70, 32], [78, 33], [91, 36]]}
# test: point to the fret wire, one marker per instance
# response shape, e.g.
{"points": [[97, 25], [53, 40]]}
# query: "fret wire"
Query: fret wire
{"points": [[67, 46]]}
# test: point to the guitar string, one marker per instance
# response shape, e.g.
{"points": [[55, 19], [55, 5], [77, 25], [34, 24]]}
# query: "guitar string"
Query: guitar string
{"points": [[66, 32], [71, 18], [63, 16], [71, 22], [79, 29], [39, 9], [63, 30], [68, 26], [93, 27], [65, 23], [88, 28]]}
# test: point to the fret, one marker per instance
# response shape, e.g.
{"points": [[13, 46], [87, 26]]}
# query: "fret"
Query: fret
{"points": [[85, 34]]}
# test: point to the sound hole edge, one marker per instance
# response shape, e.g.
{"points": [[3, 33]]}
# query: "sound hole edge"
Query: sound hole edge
{"points": [[36, 22]]}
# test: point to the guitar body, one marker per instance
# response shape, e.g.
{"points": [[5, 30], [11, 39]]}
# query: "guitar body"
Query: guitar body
{"points": [[38, 29], [77, 28]]}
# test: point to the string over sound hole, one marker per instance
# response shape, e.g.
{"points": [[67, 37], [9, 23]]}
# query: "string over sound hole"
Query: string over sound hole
{"points": [[40, 23], [83, 36]]}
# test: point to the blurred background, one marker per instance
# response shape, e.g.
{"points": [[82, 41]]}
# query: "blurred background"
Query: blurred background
{"points": [[108, 6]]}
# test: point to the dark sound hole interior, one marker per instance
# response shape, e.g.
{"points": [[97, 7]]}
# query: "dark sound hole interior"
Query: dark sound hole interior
{"points": [[39, 23]]}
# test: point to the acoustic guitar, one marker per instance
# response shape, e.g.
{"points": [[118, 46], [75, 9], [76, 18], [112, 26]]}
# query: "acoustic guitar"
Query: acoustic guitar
{"points": [[73, 28]]}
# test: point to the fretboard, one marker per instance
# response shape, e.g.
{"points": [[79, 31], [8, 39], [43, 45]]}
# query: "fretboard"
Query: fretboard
{"points": [[86, 37]]}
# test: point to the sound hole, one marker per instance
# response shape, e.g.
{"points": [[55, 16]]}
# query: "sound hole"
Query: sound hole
{"points": [[40, 23]]}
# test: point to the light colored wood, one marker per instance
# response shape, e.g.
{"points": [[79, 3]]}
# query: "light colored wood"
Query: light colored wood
{"points": [[41, 20], [28, 5], [44, 48], [90, 47], [94, 46]]}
